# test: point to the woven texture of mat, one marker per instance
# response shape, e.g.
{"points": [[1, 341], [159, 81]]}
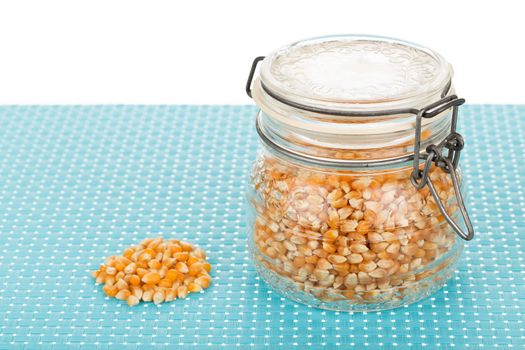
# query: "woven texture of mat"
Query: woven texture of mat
{"points": [[79, 183]]}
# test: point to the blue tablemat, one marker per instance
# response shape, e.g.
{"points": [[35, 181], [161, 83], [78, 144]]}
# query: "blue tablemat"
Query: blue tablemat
{"points": [[79, 183]]}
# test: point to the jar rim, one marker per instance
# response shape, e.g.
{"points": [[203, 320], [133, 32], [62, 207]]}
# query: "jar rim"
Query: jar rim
{"points": [[354, 73]]}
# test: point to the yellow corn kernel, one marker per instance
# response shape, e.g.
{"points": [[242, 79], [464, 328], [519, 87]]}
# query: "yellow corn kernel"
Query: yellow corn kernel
{"points": [[142, 265], [147, 295], [132, 300], [110, 280], [192, 260], [154, 264], [158, 297], [166, 283], [147, 255], [119, 265], [174, 275], [207, 267], [121, 284], [203, 280], [101, 277], [331, 235], [194, 287], [137, 291], [181, 256], [154, 243], [123, 294], [182, 267], [110, 291], [123, 260], [131, 268], [110, 261], [141, 272], [199, 253], [134, 280], [175, 248], [165, 255], [135, 257], [128, 252], [168, 262], [195, 269], [146, 241], [146, 287], [170, 295], [182, 291], [187, 247], [162, 271], [151, 278]]}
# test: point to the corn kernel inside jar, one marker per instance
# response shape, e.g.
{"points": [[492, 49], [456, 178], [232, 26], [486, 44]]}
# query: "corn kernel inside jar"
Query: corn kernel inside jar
{"points": [[366, 238], [342, 214]]}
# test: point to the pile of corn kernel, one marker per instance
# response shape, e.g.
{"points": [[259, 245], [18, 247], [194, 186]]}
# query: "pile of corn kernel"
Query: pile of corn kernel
{"points": [[155, 270]]}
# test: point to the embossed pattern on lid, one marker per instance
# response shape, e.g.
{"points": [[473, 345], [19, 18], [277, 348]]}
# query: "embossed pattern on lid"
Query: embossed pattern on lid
{"points": [[343, 70]]}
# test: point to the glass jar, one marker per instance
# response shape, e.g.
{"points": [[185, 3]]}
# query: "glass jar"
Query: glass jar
{"points": [[355, 195]]}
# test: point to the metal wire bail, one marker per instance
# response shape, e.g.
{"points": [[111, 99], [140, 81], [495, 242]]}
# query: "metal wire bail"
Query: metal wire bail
{"points": [[250, 76], [454, 144]]}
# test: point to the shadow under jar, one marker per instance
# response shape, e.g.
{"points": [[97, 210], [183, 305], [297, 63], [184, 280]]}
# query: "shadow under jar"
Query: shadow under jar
{"points": [[355, 196]]}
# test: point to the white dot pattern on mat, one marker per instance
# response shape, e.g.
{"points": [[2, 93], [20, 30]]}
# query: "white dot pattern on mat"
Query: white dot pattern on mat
{"points": [[79, 183]]}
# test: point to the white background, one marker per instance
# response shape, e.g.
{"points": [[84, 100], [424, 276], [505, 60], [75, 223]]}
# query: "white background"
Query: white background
{"points": [[171, 52]]}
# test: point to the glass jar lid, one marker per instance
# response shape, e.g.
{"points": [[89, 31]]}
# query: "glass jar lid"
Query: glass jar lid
{"points": [[352, 72]]}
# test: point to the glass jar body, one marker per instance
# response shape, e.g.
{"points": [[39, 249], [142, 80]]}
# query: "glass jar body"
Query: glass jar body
{"points": [[349, 240]]}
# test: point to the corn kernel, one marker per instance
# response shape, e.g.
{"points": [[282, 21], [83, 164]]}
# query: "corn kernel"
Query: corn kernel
{"points": [[141, 272], [194, 287], [182, 267], [132, 300], [195, 269], [134, 280], [121, 284], [137, 291], [131, 268], [203, 281], [123, 294], [192, 260], [199, 253], [181, 256], [110, 291], [174, 275], [147, 295], [207, 267], [128, 253], [154, 264], [158, 297], [151, 278], [166, 283], [182, 291], [170, 295]]}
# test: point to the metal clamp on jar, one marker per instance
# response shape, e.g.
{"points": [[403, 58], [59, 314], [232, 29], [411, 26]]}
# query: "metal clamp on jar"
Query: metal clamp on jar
{"points": [[345, 211]]}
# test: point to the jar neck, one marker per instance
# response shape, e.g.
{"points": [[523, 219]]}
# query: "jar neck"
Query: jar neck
{"points": [[350, 138]]}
